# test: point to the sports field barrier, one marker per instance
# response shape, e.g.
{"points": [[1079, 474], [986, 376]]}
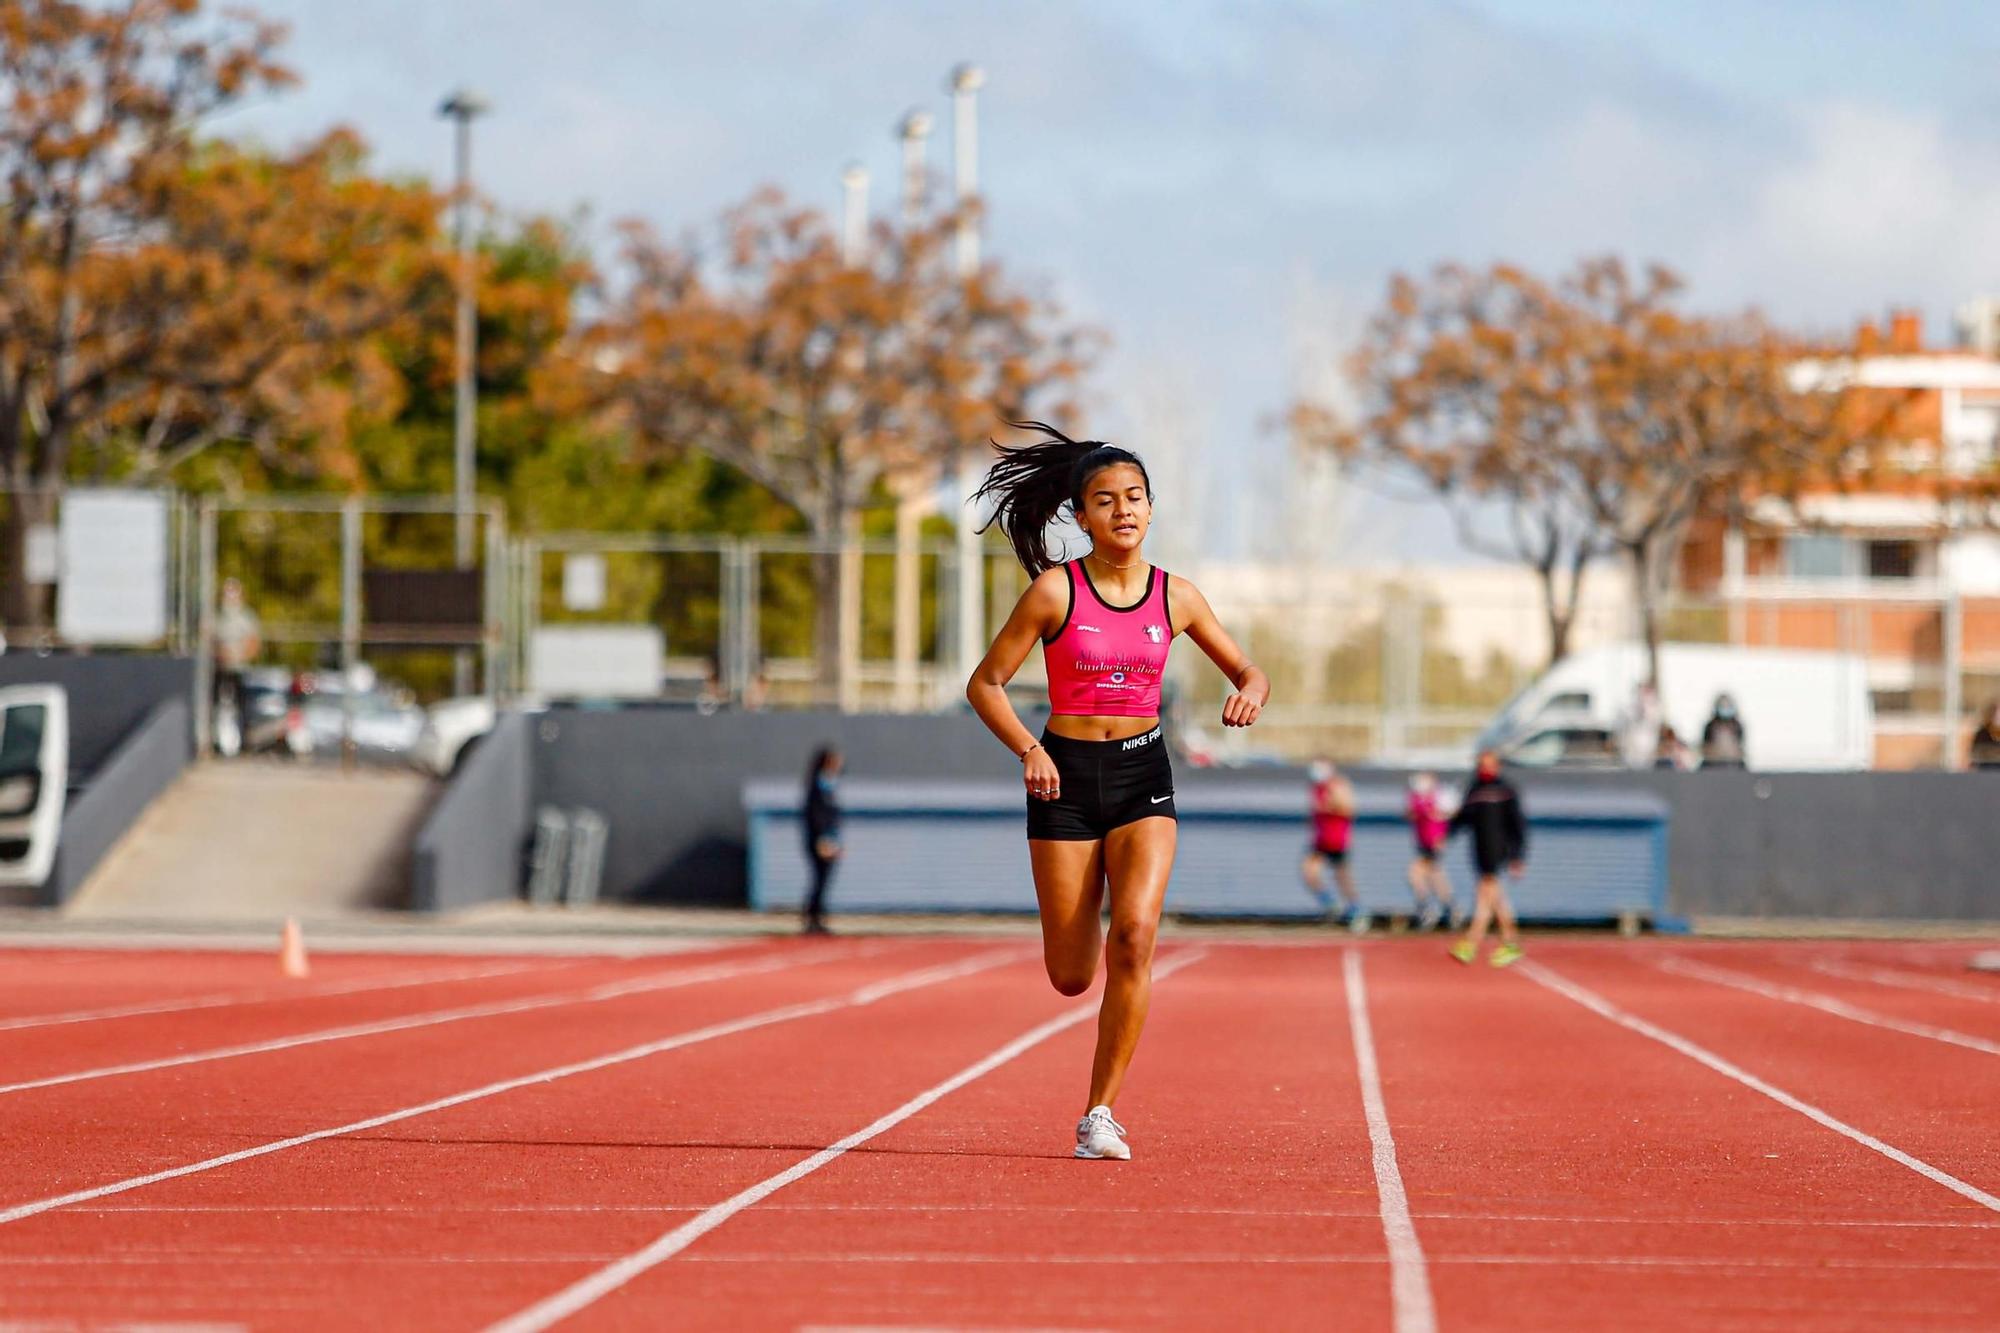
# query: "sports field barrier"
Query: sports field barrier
{"points": [[1892, 846], [957, 847], [131, 732], [473, 839]]}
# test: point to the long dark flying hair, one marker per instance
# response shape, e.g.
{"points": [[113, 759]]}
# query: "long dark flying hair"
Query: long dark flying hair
{"points": [[1031, 483]]}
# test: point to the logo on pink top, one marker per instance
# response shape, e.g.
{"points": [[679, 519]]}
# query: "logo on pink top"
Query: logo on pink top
{"points": [[1155, 633]]}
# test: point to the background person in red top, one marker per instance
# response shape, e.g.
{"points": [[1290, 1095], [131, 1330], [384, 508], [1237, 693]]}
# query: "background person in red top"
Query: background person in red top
{"points": [[1332, 826], [1428, 825], [1100, 789]]}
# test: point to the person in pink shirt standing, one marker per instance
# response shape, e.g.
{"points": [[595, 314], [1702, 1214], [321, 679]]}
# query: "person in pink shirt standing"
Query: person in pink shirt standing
{"points": [[1428, 824], [1333, 826]]}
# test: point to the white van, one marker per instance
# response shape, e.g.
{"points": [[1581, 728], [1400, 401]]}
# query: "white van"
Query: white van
{"points": [[1801, 711], [34, 781]]}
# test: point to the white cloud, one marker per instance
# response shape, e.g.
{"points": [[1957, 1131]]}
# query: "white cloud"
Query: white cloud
{"points": [[1880, 205]]}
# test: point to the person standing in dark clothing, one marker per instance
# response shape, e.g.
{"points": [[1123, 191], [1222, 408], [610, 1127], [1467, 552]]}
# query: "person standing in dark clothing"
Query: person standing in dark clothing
{"points": [[1984, 752], [822, 830], [1722, 740], [1492, 811]]}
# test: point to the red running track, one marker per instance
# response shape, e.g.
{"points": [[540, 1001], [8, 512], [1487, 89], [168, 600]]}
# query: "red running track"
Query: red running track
{"points": [[874, 1133]]}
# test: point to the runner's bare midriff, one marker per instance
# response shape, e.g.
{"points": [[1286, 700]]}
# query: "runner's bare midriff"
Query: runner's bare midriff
{"points": [[1075, 728]]}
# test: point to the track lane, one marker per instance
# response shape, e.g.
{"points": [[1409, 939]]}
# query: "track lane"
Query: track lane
{"points": [[576, 1137], [45, 1058], [111, 1129], [37, 983], [1249, 1202], [1557, 1162], [1919, 1094]]}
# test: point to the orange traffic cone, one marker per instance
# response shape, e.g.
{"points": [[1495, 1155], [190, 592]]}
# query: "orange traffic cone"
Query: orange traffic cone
{"points": [[292, 950]]}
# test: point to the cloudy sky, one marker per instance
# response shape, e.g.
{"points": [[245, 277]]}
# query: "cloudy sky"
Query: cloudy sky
{"points": [[1227, 186]]}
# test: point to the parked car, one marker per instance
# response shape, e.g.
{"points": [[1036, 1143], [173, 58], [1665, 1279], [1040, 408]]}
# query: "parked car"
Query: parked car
{"points": [[1563, 745], [270, 720], [338, 707], [452, 727], [34, 780]]}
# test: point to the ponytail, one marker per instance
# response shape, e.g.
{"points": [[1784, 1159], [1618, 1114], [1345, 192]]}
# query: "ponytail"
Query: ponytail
{"points": [[1031, 483]]}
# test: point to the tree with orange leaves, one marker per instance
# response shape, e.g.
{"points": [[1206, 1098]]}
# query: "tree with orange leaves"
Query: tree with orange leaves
{"points": [[817, 374], [1581, 418], [158, 294], [1467, 384]]}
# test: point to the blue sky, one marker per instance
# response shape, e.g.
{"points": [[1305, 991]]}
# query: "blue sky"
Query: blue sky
{"points": [[1226, 187]]}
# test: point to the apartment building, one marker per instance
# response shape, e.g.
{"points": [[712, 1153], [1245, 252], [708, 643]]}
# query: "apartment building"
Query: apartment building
{"points": [[1905, 571]]}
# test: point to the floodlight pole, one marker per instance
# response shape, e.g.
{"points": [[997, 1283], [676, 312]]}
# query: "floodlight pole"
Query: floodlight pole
{"points": [[461, 108], [966, 81]]}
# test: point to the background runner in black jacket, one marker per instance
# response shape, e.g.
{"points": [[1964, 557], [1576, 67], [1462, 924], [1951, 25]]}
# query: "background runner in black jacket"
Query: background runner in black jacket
{"points": [[1491, 809]]}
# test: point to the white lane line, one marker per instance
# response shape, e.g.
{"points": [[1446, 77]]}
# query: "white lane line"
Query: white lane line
{"points": [[1889, 976], [1409, 1283], [1826, 1004], [1597, 1004], [588, 1290], [614, 990], [1367, 1258], [764, 1018], [227, 999], [1053, 1210]]}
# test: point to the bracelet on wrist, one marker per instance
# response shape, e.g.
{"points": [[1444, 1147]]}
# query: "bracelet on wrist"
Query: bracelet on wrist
{"points": [[1023, 756]]}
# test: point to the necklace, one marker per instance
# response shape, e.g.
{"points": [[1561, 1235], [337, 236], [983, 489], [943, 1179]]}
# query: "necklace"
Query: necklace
{"points": [[1130, 564]]}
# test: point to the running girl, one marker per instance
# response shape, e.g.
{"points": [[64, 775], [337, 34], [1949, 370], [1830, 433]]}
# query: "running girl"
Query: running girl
{"points": [[1332, 825], [1100, 789], [1428, 884]]}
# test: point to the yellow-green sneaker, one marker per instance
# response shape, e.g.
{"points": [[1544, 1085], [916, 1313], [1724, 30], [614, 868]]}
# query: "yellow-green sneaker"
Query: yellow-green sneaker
{"points": [[1506, 955], [1463, 951]]}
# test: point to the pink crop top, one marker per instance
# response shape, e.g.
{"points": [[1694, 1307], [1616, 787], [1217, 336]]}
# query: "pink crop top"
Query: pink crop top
{"points": [[1105, 660]]}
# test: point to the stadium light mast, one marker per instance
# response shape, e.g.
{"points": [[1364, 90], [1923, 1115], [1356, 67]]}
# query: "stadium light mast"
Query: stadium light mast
{"points": [[462, 108], [853, 214], [965, 83], [914, 129]]}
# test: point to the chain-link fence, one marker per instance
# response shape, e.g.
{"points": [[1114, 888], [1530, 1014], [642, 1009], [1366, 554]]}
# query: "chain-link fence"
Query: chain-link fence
{"points": [[1364, 665]]}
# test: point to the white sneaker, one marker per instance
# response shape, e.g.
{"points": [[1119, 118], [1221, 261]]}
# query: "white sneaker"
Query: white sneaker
{"points": [[1099, 1136], [1358, 923]]}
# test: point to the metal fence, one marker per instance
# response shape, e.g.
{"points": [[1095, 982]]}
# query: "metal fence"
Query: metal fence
{"points": [[1374, 665], [738, 616]]}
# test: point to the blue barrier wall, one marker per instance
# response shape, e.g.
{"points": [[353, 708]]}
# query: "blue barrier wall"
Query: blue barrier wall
{"points": [[959, 846]]}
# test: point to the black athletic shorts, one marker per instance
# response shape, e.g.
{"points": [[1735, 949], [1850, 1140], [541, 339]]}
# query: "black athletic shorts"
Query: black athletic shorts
{"points": [[1333, 855], [1105, 785], [1427, 853]]}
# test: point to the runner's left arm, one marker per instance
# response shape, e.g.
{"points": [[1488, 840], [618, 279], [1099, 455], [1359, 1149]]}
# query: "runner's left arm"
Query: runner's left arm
{"points": [[1194, 617]]}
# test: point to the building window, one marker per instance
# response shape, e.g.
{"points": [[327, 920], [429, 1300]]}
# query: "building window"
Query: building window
{"points": [[1817, 555], [1893, 701], [1892, 560]]}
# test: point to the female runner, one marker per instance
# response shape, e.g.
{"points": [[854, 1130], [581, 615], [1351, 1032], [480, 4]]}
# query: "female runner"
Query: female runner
{"points": [[1100, 789]]}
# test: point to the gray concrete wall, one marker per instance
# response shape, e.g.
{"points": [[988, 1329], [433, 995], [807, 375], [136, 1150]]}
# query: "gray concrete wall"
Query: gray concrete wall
{"points": [[131, 778], [670, 782], [110, 694], [1913, 846], [1894, 846], [469, 850]]}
